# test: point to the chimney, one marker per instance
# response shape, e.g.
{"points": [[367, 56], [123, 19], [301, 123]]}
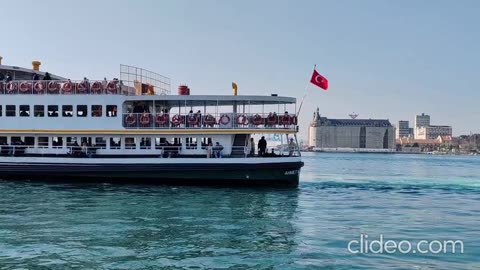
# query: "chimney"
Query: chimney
{"points": [[36, 65]]}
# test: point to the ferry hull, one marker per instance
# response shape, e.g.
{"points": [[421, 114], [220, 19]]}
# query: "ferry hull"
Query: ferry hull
{"points": [[266, 174]]}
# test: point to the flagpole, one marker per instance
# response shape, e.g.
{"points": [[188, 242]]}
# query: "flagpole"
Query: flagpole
{"points": [[304, 96]]}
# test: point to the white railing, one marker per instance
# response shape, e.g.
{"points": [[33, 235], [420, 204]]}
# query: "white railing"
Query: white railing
{"points": [[56, 87], [208, 121]]}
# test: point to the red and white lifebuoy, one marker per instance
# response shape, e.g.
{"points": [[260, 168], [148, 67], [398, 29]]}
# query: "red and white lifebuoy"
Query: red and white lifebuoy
{"points": [[242, 119], [53, 87], [145, 119], [96, 87], [112, 87], [257, 120], [82, 87], [209, 120], [25, 87], [161, 119], [130, 120], [176, 120], [39, 87], [11, 87], [286, 120], [271, 119], [192, 120], [224, 119], [67, 87]]}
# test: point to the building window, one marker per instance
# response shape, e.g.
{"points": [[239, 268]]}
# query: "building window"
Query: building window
{"points": [[363, 137], [67, 110], [82, 110], [111, 110], [24, 110], [38, 110], [10, 110], [52, 110], [96, 110]]}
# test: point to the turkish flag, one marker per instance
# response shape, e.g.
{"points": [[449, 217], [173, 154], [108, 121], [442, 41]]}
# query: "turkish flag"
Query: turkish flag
{"points": [[319, 80]]}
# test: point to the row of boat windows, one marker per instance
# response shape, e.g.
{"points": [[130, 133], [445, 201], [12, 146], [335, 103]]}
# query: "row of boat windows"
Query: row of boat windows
{"points": [[115, 143], [54, 110]]}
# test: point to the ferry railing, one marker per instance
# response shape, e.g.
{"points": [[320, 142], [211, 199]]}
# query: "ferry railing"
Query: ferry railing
{"points": [[148, 120], [57, 87]]}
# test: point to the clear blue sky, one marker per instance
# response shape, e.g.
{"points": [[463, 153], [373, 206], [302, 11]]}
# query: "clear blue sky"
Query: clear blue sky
{"points": [[383, 59]]}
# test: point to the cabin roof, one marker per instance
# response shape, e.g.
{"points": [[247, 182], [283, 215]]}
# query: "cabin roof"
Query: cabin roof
{"points": [[213, 100]]}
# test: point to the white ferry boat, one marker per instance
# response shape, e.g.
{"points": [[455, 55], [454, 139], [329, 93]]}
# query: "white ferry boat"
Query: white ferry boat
{"points": [[131, 129]]}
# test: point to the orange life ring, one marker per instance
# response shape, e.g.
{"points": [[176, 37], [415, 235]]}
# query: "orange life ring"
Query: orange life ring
{"points": [[145, 119], [11, 87], [271, 120], [161, 119], [82, 87], [112, 87], [286, 120], [224, 119], [242, 119], [176, 120], [96, 87], [257, 120], [192, 120], [24, 87], [130, 120], [53, 87], [209, 120], [39, 87], [67, 88]]}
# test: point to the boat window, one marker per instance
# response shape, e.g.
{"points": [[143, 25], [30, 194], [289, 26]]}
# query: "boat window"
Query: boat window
{"points": [[38, 110], [43, 141], [24, 110], [115, 143], [111, 110], [145, 143], [1, 110], [81, 110], [100, 143], [15, 140], [29, 141], [129, 143], [191, 143], [57, 142], [3, 140], [52, 110], [96, 110], [206, 141], [67, 110], [10, 110]]}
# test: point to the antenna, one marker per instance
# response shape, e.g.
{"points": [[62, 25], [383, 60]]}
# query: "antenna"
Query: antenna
{"points": [[353, 115]]}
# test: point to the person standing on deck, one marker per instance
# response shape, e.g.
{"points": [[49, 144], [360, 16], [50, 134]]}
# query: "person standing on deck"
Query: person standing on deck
{"points": [[252, 147], [209, 150], [291, 147], [262, 146]]}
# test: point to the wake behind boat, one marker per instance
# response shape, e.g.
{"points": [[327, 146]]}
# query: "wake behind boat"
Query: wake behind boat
{"points": [[132, 129]]}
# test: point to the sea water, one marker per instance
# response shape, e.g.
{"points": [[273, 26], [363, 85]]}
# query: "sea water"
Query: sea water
{"points": [[340, 198]]}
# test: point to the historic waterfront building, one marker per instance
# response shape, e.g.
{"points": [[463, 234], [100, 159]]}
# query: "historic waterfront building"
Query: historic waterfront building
{"points": [[424, 131], [337, 134]]}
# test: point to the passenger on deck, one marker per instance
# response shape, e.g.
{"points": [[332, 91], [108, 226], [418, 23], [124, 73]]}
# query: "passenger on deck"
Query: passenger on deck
{"points": [[217, 150], [251, 144], [9, 77], [291, 147], [35, 77], [272, 153], [262, 146], [209, 150], [47, 77]]}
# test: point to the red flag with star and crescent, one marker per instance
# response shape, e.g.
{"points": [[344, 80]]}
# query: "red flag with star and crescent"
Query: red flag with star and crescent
{"points": [[319, 80]]}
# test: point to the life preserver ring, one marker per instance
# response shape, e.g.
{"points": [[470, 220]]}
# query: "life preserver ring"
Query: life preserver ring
{"points": [[25, 87], [209, 120], [96, 88], [67, 87], [82, 87], [112, 87], [11, 87], [294, 120], [161, 119], [257, 120], [130, 120], [192, 120], [176, 120], [145, 119], [224, 119], [286, 120], [271, 120], [53, 87], [39, 87], [241, 119]]}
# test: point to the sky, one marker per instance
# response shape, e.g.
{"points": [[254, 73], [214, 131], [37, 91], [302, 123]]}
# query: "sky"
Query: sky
{"points": [[383, 59]]}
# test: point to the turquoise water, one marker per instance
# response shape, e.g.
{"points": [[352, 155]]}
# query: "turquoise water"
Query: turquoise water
{"points": [[102, 226]]}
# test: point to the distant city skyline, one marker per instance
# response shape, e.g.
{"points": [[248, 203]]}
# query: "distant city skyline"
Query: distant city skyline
{"points": [[383, 59]]}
